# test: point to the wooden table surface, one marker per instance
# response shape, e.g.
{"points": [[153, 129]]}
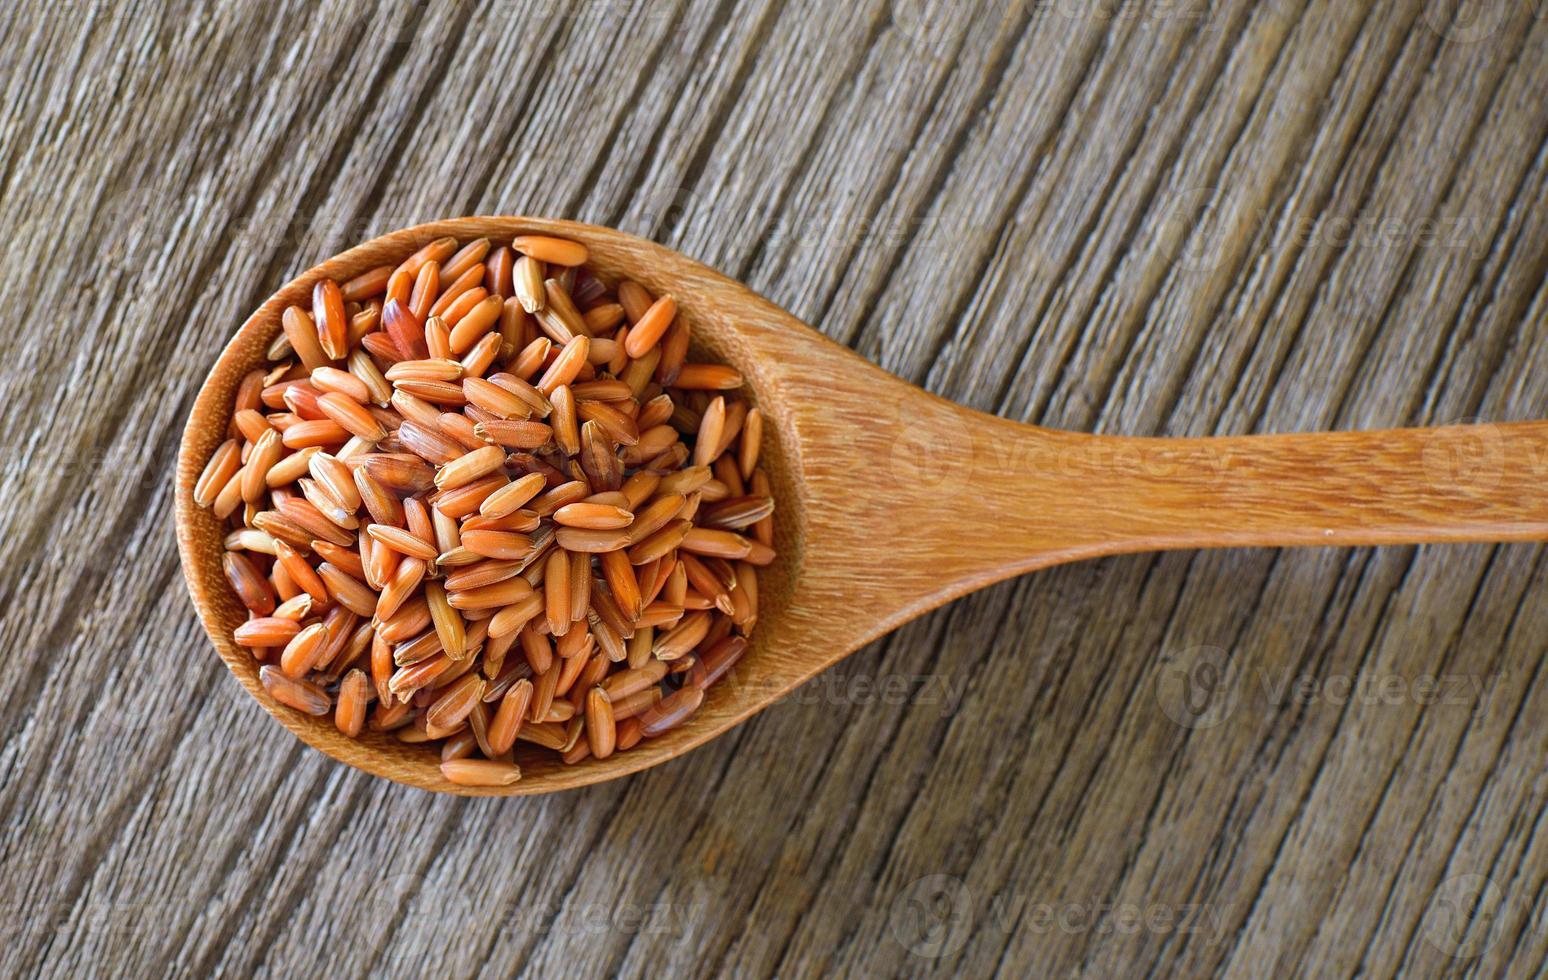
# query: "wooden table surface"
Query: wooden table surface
{"points": [[1140, 216]]}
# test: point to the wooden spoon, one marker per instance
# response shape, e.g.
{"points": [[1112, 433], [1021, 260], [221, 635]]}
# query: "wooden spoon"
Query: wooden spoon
{"points": [[892, 501]]}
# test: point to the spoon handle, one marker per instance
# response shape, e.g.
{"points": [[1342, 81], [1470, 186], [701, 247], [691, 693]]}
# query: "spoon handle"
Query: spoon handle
{"points": [[1456, 483]]}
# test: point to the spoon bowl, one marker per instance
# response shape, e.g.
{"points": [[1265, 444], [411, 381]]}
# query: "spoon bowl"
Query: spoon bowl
{"points": [[892, 501]]}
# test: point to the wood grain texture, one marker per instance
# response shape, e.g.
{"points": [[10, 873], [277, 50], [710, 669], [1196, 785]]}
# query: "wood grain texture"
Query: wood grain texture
{"points": [[1146, 219]]}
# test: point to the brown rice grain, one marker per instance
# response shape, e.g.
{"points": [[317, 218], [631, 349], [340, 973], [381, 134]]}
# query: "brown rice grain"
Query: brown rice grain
{"points": [[266, 631], [406, 329], [482, 355], [527, 281], [492, 596], [619, 426], [411, 617], [593, 516], [507, 721], [354, 696], [633, 680], [292, 692], [301, 572], [510, 498], [372, 282], [296, 608], [634, 299], [459, 746], [470, 256], [559, 251], [405, 474], [647, 331], [591, 542], [448, 621], [251, 424], [364, 323], [318, 432], [427, 283], [350, 592], [382, 347], [543, 687], [332, 323], [566, 367], [263, 455], [682, 638], [301, 330], [721, 544], [531, 358], [466, 469], [674, 351], [524, 521], [402, 541], [249, 539], [603, 318], [435, 392], [558, 316], [498, 269], [409, 680], [654, 412], [437, 251], [717, 661], [501, 545], [415, 409], [634, 704], [463, 305], [457, 284], [304, 650], [223, 465], [460, 429], [476, 322], [556, 590], [570, 668], [543, 734], [428, 369], [706, 446], [601, 730], [480, 772], [463, 501], [670, 712], [640, 646], [455, 703], [629, 734], [336, 478], [708, 377], [658, 544]]}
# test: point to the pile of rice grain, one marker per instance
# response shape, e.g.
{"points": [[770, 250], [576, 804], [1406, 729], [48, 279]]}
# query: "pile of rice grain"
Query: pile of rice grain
{"points": [[482, 498]]}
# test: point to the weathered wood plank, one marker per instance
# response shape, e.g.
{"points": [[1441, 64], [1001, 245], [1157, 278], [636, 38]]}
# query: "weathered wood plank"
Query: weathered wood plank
{"points": [[1167, 218]]}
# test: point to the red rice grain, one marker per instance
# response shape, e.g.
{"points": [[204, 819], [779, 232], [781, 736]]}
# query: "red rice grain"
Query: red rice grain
{"points": [[491, 494]]}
